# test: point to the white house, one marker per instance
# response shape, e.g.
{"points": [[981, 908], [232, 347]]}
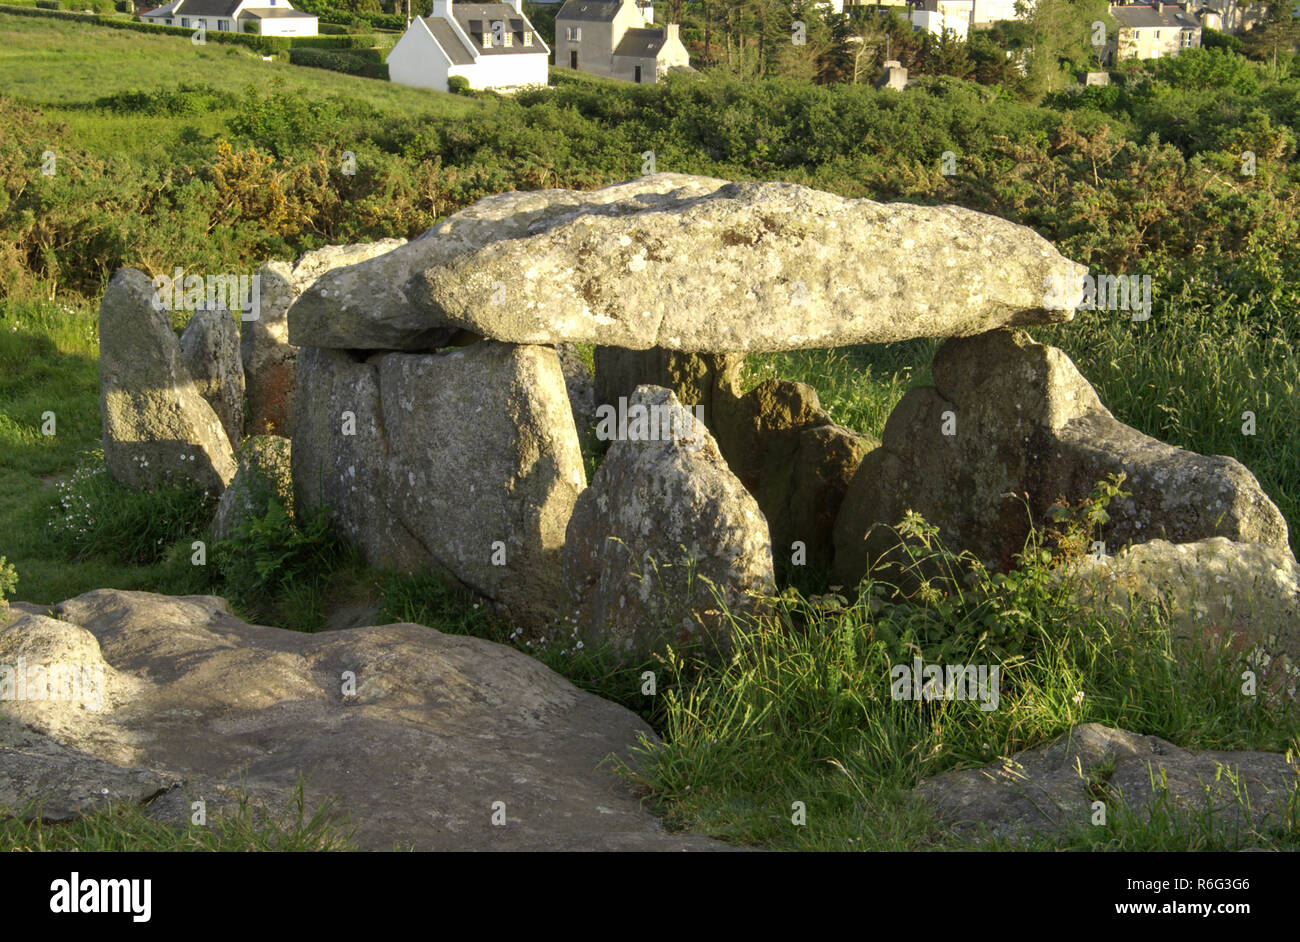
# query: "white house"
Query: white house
{"points": [[933, 21], [611, 38], [490, 45], [979, 14], [268, 17], [1152, 31]]}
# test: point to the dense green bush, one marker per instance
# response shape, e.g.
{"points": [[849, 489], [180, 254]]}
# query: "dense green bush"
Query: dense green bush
{"points": [[181, 100], [364, 62], [272, 564], [8, 582]]}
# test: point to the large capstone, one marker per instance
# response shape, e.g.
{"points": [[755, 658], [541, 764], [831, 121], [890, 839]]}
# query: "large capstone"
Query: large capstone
{"points": [[698, 265], [367, 306], [268, 357]]}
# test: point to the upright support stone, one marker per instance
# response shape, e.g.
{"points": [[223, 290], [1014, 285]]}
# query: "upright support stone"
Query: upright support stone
{"points": [[465, 462], [158, 430], [210, 348], [666, 546], [1011, 428]]}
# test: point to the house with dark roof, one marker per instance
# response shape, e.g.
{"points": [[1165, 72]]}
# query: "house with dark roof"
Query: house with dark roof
{"points": [[490, 45], [613, 39], [1151, 31], [268, 17]]}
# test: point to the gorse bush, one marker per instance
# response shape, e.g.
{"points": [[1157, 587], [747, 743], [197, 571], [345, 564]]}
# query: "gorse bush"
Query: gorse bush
{"points": [[8, 581]]}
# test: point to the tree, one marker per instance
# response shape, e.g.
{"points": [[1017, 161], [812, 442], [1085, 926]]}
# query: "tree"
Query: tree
{"points": [[1278, 33], [1062, 40]]}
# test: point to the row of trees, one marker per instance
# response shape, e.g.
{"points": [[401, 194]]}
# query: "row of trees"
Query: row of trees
{"points": [[1040, 53]]}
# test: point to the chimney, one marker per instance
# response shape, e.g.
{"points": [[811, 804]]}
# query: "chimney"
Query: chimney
{"points": [[441, 9], [670, 35], [1160, 7]]}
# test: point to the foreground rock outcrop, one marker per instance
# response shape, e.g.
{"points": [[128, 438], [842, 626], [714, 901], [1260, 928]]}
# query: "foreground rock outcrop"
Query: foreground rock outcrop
{"points": [[464, 462], [158, 429], [698, 265], [1010, 428], [1050, 789], [665, 538], [417, 735]]}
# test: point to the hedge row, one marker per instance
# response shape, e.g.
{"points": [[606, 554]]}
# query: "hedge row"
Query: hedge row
{"points": [[348, 41], [327, 13], [263, 44], [364, 62], [98, 6]]}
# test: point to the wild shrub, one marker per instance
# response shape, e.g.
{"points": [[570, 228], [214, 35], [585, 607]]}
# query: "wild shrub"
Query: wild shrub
{"points": [[271, 560], [95, 516]]}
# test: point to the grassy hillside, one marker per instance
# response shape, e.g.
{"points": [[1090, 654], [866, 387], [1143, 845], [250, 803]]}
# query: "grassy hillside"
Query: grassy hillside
{"points": [[63, 68]]}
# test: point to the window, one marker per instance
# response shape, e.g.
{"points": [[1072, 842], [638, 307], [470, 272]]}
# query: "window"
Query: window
{"points": [[509, 39], [185, 21], [574, 34], [223, 25], [528, 39], [637, 77], [487, 40]]}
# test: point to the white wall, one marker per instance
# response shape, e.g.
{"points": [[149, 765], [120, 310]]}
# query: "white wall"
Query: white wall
{"points": [[990, 11], [510, 71], [305, 25], [290, 26], [937, 23], [418, 60]]}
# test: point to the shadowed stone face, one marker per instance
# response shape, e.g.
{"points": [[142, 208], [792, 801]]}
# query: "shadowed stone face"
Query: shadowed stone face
{"points": [[1011, 428]]}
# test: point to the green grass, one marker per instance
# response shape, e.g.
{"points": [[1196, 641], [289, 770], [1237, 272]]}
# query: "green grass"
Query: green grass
{"points": [[125, 827], [804, 713], [64, 67]]}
